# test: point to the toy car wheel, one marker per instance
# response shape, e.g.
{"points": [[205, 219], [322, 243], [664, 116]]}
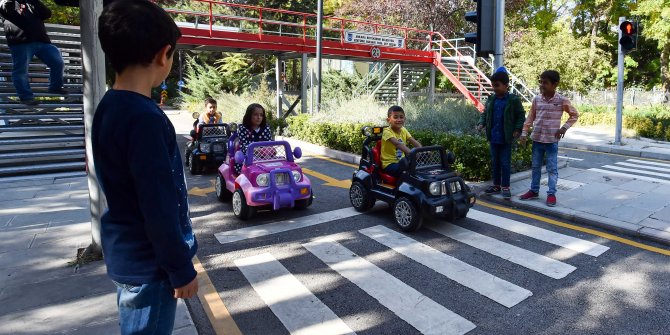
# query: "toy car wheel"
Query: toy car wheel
{"points": [[187, 156], [406, 214], [222, 193], [194, 165], [240, 207], [304, 203], [360, 197]]}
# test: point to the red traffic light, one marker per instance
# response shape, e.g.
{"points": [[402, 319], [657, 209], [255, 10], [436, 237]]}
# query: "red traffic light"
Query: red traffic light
{"points": [[627, 28]]}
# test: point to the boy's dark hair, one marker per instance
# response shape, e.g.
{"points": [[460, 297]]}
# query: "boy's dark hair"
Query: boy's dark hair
{"points": [[246, 121], [210, 100], [132, 32], [395, 109], [501, 77], [551, 75]]}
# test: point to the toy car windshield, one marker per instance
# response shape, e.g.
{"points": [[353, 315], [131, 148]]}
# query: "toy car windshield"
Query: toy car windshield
{"points": [[213, 131], [268, 153]]}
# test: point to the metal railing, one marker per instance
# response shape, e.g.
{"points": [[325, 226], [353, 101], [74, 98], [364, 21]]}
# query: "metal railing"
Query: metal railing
{"points": [[280, 22]]}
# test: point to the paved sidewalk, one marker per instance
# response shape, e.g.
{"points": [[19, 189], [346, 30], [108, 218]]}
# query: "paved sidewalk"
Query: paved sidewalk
{"points": [[619, 202], [42, 224], [601, 140]]}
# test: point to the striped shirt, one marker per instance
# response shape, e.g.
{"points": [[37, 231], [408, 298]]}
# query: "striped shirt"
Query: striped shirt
{"points": [[545, 117]]}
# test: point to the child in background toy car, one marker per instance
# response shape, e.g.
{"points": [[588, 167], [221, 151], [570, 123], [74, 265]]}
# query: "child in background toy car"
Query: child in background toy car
{"points": [[427, 185], [254, 128], [394, 141], [210, 116]]}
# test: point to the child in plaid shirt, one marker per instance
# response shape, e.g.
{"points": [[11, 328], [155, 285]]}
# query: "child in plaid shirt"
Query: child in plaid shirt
{"points": [[545, 118]]}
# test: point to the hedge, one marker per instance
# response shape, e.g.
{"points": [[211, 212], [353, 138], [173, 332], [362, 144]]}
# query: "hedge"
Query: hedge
{"points": [[472, 151]]}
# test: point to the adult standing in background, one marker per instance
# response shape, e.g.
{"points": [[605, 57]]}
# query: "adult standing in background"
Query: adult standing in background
{"points": [[27, 37]]}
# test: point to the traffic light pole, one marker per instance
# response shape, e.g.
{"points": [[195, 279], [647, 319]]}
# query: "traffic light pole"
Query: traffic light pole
{"points": [[498, 60], [619, 90], [319, 37]]}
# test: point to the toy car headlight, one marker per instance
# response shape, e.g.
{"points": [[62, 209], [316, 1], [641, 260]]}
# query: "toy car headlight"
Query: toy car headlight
{"points": [[435, 188], [262, 179], [205, 147], [296, 176]]}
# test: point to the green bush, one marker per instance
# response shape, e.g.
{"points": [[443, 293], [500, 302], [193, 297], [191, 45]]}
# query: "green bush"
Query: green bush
{"points": [[472, 150]]}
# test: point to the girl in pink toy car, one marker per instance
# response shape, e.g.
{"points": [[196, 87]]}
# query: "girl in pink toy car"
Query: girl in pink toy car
{"points": [[254, 128]]}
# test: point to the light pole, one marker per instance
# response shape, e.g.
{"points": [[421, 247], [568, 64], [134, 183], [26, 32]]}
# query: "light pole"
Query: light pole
{"points": [[319, 28]]}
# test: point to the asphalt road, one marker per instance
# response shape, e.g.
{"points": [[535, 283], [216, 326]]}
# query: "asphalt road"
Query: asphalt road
{"points": [[362, 274]]}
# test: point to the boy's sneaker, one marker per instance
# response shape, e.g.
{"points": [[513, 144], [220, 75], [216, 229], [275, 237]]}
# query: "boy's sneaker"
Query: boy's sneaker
{"points": [[493, 189], [529, 195], [551, 200], [506, 193]]}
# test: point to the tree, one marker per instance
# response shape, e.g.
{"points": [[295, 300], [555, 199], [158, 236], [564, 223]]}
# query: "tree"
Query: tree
{"points": [[531, 53], [62, 14], [656, 26]]}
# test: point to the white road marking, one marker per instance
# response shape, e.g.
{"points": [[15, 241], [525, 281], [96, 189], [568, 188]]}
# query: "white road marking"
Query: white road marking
{"points": [[628, 175], [482, 282], [282, 226], [301, 312], [648, 162], [424, 314], [565, 241], [536, 262], [636, 171], [655, 168]]}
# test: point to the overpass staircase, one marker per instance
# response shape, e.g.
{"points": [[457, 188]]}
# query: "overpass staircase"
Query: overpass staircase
{"points": [[47, 138]]}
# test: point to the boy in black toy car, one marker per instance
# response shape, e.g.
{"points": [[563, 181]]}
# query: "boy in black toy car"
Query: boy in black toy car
{"points": [[394, 139]]}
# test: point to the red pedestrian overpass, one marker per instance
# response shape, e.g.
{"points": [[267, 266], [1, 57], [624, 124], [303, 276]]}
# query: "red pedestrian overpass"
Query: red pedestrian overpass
{"points": [[231, 27]]}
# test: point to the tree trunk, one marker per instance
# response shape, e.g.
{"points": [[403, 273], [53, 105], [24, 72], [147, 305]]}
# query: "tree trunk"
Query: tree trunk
{"points": [[665, 70], [94, 87]]}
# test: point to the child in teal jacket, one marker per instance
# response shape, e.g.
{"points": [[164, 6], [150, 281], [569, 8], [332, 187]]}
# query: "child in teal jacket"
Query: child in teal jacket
{"points": [[503, 118]]}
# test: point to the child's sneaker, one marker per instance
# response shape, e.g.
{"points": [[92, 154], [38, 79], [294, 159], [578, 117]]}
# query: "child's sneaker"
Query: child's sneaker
{"points": [[506, 193], [529, 195], [551, 200], [493, 189]]}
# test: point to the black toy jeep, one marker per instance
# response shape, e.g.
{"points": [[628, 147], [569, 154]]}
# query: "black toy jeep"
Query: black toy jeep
{"points": [[208, 147], [427, 186]]}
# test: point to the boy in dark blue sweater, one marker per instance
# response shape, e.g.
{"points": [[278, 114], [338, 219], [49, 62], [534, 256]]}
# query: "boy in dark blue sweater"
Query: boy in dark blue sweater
{"points": [[147, 238]]}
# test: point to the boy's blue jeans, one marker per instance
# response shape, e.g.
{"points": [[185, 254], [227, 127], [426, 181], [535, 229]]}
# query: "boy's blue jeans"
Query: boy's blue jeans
{"points": [[501, 163], [540, 150], [146, 309], [21, 56]]}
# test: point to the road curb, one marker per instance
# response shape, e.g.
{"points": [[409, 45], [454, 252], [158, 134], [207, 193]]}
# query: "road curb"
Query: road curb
{"points": [[622, 227], [614, 150], [588, 219]]}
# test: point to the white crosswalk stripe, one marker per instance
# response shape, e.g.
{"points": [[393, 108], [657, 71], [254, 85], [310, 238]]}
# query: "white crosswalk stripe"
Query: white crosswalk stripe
{"points": [[643, 166], [301, 312], [282, 226], [528, 259], [297, 308], [484, 283], [565, 241], [637, 171], [424, 314], [667, 165], [629, 175]]}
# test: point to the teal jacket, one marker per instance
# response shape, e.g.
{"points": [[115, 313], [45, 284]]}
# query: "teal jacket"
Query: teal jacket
{"points": [[514, 116]]}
